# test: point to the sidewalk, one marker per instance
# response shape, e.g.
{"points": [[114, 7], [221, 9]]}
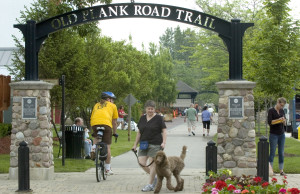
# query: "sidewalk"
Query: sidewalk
{"points": [[129, 177]]}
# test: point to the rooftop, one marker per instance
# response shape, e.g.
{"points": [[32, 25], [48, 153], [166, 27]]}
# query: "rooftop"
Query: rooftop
{"points": [[6, 56], [184, 88]]}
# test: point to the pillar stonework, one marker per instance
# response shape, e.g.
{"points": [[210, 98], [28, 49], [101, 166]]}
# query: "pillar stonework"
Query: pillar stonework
{"points": [[236, 145], [35, 131]]}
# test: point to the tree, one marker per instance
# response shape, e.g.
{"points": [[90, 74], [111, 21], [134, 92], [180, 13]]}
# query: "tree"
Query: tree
{"points": [[271, 52], [164, 91]]}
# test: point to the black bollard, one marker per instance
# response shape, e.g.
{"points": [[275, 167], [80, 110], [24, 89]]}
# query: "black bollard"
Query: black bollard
{"points": [[23, 164], [263, 158], [211, 157]]}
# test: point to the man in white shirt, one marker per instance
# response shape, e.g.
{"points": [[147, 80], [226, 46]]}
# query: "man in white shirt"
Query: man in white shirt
{"points": [[211, 110]]}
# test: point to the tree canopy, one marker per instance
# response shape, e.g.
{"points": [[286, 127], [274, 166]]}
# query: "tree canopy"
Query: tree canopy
{"points": [[93, 63]]}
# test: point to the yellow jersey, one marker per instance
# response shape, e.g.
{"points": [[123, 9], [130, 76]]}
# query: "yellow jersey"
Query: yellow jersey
{"points": [[104, 114]]}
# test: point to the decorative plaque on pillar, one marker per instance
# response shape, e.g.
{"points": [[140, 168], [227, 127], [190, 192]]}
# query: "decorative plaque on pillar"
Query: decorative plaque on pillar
{"points": [[29, 107], [236, 107]]}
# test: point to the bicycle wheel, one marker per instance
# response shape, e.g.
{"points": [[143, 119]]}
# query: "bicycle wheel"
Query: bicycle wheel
{"points": [[104, 175], [98, 165]]}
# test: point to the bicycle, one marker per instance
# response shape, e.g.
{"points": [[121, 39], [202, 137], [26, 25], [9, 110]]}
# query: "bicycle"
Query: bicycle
{"points": [[101, 154]]}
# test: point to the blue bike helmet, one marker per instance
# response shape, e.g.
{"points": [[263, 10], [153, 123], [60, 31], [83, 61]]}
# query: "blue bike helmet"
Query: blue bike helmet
{"points": [[105, 95]]}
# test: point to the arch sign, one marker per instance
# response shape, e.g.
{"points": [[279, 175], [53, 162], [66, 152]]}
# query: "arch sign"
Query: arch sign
{"points": [[231, 32]]}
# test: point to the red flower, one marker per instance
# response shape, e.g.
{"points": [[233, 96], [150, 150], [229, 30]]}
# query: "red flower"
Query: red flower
{"points": [[274, 180], [285, 182], [220, 185], [231, 188], [257, 179], [294, 191], [265, 184]]}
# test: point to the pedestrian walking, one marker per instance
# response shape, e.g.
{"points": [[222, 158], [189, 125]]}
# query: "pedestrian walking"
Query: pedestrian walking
{"points": [[206, 118], [152, 136], [191, 115], [121, 114]]}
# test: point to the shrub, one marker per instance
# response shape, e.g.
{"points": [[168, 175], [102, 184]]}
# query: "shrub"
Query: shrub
{"points": [[5, 129]]}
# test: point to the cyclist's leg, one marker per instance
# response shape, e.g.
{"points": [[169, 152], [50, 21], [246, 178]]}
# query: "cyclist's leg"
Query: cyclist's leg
{"points": [[108, 160], [107, 136]]}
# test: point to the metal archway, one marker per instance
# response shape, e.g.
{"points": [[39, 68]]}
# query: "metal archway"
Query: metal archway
{"points": [[231, 32]]}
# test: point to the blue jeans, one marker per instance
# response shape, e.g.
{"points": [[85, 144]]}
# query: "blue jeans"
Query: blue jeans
{"points": [[274, 141], [87, 148]]}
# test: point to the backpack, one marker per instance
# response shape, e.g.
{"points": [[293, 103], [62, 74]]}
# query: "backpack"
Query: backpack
{"points": [[103, 151]]}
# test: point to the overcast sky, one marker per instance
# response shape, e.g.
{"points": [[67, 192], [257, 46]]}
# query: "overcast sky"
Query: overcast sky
{"points": [[142, 30]]}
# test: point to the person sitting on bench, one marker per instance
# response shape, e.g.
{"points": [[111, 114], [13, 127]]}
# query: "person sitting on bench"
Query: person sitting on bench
{"points": [[87, 141]]}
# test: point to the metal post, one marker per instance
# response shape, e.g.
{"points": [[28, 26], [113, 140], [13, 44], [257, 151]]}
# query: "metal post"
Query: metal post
{"points": [[31, 62], [263, 158], [258, 118], [62, 120], [211, 157], [23, 164]]}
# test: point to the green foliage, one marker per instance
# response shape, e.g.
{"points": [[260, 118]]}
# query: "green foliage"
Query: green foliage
{"points": [[92, 64], [200, 59], [271, 52], [5, 129], [137, 111], [164, 90], [246, 10]]}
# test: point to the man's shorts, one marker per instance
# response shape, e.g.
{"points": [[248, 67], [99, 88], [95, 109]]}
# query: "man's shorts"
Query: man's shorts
{"points": [[120, 120], [107, 133], [191, 123], [206, 124], [151, 151]]}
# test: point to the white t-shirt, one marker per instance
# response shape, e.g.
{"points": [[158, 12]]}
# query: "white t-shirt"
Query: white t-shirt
{"points": [[211, 110]]}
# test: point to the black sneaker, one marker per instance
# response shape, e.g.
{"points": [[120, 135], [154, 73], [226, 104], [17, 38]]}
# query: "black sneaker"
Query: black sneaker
{"points": [[193, 133], [87, 157]]}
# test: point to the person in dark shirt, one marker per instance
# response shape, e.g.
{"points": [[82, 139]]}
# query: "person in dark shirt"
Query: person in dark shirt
{"points": [[152, 129], [276, 120]]}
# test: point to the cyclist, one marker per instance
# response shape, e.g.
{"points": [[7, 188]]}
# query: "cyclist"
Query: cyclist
{"points": [[105, 115]]}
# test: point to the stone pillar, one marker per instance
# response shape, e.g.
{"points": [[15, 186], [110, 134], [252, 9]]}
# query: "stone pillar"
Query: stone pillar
{"points": [[35, 131], [236, 137]]}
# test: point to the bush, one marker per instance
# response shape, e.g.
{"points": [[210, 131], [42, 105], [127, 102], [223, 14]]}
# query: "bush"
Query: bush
{"points": [[5, 129]]}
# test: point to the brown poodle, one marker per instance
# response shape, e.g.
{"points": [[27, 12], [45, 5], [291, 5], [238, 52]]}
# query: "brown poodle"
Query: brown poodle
{"points": [[166, 166]]}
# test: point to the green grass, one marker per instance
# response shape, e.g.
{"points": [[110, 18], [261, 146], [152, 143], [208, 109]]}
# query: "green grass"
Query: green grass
{"points": [[4, 163], [292, 157], [78, 165]]}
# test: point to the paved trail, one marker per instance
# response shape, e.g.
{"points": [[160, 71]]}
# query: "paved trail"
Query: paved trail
{"points": [[129, 178]]}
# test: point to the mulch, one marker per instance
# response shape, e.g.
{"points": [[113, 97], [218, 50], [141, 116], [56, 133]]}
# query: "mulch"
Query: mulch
{"points": [[5, 145]]}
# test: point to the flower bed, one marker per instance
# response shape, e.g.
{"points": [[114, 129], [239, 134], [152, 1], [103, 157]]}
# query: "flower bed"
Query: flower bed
{"points": [[223, 182]]}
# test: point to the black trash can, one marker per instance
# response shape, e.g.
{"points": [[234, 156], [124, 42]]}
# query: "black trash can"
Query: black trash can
{"points": [[74, 136]]}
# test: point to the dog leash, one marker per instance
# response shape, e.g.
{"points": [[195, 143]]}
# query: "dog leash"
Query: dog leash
{"points": [[135, 152]]}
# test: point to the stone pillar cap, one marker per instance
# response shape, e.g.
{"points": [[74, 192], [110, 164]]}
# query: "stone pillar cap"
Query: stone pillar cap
{"points": [[31, 85], [237, 84]]}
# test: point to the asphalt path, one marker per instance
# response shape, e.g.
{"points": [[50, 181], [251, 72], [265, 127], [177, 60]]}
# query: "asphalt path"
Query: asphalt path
{"points": [[177, 136]]}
